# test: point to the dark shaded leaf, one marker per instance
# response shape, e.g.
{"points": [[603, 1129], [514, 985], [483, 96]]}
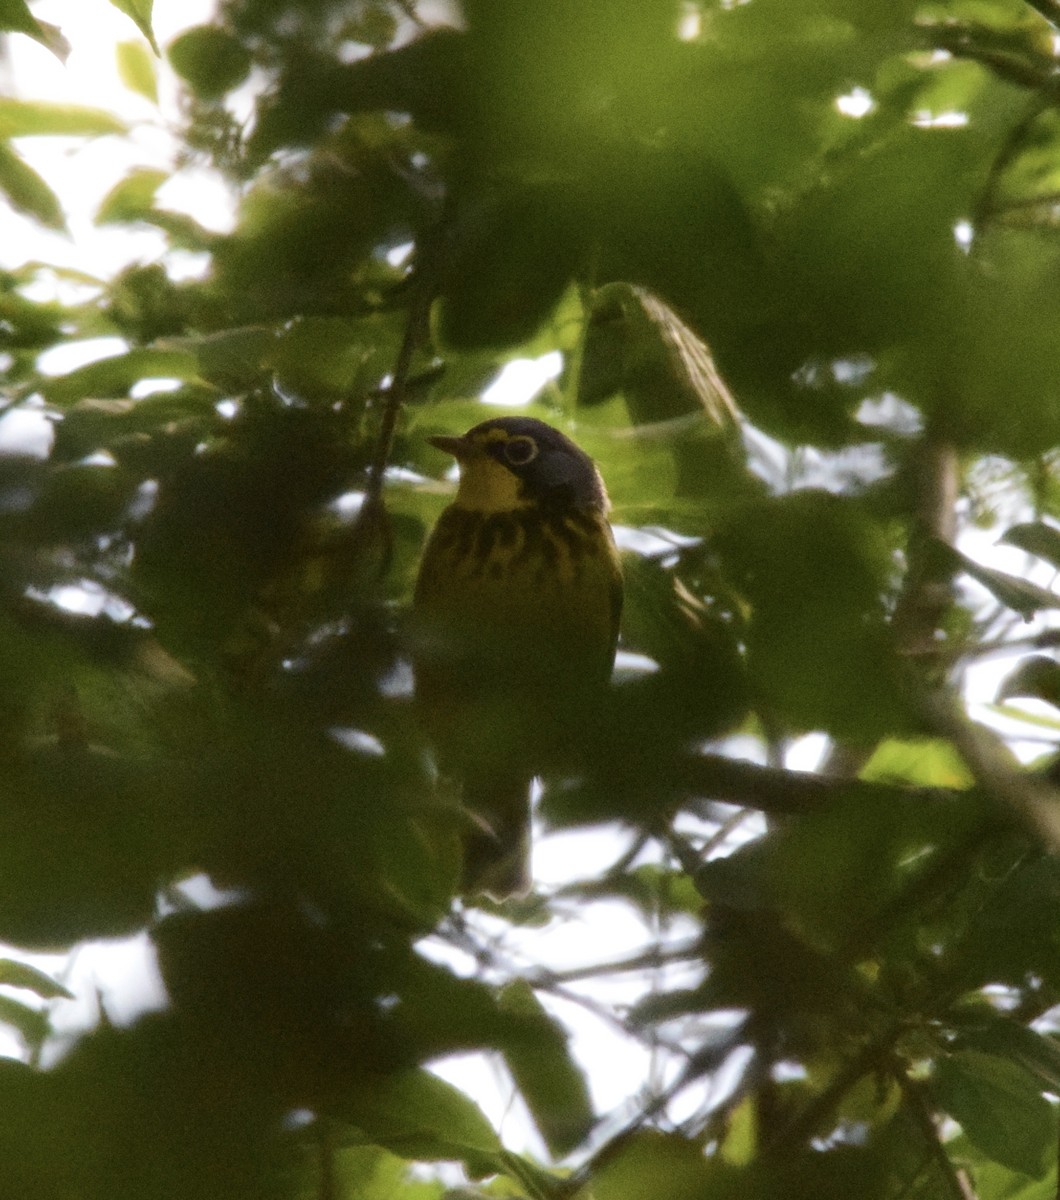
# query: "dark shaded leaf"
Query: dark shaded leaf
{"points": [[552, 1085], [210, 60], [1037, 538], [418, 1115], [1000, 1107], [1037, 677]]}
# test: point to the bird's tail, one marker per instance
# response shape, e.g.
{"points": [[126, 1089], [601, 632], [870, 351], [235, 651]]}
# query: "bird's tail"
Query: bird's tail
{"points": [[497, 845]]}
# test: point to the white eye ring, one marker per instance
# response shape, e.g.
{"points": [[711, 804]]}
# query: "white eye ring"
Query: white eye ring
{"points": [[520, 450]]}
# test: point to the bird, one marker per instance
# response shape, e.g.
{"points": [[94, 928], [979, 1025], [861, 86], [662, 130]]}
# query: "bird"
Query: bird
{"points": [[515, 614]]}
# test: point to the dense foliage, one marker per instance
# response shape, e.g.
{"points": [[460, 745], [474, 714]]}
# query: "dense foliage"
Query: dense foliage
{"points": [[854, 205]]}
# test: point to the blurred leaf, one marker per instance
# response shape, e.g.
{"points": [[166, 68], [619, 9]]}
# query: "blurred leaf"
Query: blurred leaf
{"points": [[550, 1082], [29, 118], [656, 1164], [1037, 538], [31, 1023], [1036, 676], [370, 1173], [999, 1106], [509, 256], [131, 197], [1008, 1039], [418, 1115], [993, 1180], [15, 15], [925, 762], [137, 69], [813, 567], [116, 375], [26, 191], [22, 975], [210, 60], [1014, 592], [140, 12]]}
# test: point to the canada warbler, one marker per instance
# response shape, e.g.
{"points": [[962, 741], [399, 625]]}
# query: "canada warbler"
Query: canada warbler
{"points": [[515, 615]]}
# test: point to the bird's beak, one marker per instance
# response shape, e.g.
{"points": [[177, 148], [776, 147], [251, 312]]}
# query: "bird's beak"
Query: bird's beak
{"points": [[461, 448]]}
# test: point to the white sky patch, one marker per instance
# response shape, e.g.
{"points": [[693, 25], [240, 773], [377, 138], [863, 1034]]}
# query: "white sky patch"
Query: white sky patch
{"points": [[152, 387], [68, 356], [964, 234], [398, 256], [690, 23], [924, 119], [806, 753], [520, 380], [891, 412], [360, 741], [858, 102], [26, 432]]}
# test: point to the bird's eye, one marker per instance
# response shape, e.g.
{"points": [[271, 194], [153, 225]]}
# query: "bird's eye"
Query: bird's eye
{"points": [[520, 450]]}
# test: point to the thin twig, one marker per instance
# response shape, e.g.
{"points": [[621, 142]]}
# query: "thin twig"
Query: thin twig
{"points": [[415, 323], [809, 1122], [958, 1187], [643, 961]]}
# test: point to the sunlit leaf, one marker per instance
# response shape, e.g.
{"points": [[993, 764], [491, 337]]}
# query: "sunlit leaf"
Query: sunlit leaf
{"points": [[131, 197], [28, 118], [140, 12], [26, 191], [138, 69]]}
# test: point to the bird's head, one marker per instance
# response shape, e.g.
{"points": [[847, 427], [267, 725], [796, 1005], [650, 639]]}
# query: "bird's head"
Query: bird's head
{"points": [[520, 462]]}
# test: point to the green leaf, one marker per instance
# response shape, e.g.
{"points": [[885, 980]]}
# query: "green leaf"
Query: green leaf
{"points": [[922, 762], [16, 17], [993, 1181], [22, 975], [210, 60], [114, 376], [370, 1173], [654, 1164], [131, 198], [552, 1085], [1036, 676], [140, 12], [1000, 1107], [137, 69], [1036, 538], [1020, 595], [31, 118], [1038, 1052], [31, 1023], [26, 190], [418, 1115]]}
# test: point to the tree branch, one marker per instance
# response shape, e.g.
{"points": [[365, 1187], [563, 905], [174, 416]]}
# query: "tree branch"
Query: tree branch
{"points": [[1031, 800]]}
